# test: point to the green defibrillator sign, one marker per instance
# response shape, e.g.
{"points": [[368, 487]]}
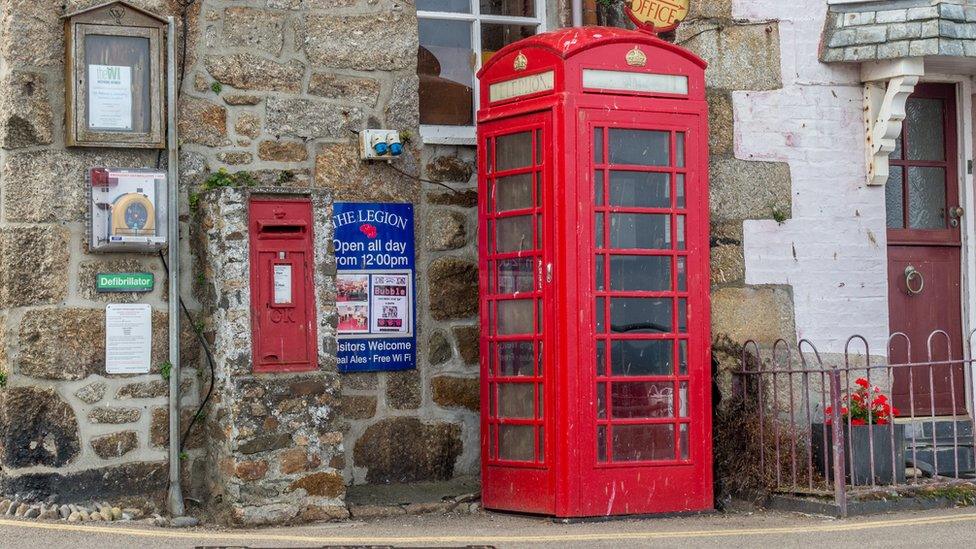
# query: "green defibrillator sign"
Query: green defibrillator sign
{"points": [[124, 282]]}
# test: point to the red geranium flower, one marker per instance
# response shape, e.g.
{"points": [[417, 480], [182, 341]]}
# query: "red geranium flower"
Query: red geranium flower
{"points": [[862, 382], [858, 421]]}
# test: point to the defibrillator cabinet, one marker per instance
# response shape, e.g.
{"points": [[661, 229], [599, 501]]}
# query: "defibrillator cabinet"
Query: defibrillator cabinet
{"points": [[593, 245]]}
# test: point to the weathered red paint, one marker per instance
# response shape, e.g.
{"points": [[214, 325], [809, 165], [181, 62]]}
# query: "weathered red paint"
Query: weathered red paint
{"points": [[555, 364], [283, 332], [936, 254]]}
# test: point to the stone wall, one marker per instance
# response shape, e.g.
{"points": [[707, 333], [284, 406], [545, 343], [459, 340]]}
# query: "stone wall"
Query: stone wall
{"points": [[67, 427], [275, 448], [277, 89], [744, 56], [422, 424]]}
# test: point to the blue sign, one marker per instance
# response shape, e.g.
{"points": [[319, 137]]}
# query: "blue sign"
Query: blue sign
{"points": [[374, 249]]}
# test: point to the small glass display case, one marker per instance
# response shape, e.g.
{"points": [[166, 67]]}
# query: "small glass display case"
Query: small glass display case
{"points": [[128, 210]]}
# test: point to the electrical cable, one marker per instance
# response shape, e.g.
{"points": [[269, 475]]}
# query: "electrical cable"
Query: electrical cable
{"points": [[422, 180], [184, 18], [206, 350]]}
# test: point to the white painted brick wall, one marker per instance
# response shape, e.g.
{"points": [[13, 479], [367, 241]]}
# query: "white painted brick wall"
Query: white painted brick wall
{"points": [[832, 251]]}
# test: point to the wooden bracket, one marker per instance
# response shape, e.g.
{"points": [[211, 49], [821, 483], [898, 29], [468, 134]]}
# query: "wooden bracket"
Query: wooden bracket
{"points": [[887, 85]]}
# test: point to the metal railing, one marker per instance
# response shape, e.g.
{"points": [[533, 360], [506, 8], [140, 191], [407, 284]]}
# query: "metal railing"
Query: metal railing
{"points": [[855, 423]]}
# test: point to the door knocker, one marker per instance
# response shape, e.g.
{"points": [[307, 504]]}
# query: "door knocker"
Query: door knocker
{"points": [[913, 274]]}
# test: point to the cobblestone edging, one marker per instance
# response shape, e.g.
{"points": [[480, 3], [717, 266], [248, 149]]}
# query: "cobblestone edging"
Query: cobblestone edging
{"points": [[940, 29]]}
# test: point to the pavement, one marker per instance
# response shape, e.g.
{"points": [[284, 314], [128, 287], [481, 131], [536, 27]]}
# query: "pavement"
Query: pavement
{"points": [[945, 528]]}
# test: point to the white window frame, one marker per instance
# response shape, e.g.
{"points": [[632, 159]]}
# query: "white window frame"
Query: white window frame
{"points": [[465, 135]]}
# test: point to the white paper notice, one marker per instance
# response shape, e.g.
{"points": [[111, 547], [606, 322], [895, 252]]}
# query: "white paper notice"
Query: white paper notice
{"points": [[391, 297], [282, 284], [109, 97], [128, 338]]}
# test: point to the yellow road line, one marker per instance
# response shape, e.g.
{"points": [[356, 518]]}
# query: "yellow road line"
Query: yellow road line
{"points": [[254, 536]]}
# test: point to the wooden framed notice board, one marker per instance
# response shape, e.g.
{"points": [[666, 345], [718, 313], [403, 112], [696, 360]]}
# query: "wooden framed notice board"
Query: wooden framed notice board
{"points": [[114, 75]]}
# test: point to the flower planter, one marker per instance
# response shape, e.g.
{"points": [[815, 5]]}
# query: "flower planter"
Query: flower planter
{"points": [[858, 438]]}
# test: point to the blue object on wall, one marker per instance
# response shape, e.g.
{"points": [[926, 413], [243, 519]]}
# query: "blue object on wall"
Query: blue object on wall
{"points": [[374, 250]]}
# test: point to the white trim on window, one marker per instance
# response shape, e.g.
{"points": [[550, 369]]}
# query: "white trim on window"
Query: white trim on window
{"points": [[448, 135], [465, 135]]}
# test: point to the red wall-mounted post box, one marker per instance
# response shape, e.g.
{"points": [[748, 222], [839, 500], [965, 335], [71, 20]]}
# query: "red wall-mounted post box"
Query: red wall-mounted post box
{"points": [[282, 292]]}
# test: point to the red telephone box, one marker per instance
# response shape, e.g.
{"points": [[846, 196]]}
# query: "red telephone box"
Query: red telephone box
{"points": [[596, 378], [282, 292]]}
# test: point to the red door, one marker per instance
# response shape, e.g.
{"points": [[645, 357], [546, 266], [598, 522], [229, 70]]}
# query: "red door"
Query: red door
{"points": [[924, 294], [644, 437], [516, 202]]}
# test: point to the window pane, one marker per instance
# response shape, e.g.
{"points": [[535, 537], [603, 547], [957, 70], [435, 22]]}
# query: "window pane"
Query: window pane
{"points": [[600, 314], [516, 442], [514, 234], [601, 400], [639, 315], [513, 151], [683, 399], [495, 36], [601, 357], [643, 442], [598, 188], [635, 273], [513, 192], [684, 441], [682, 315], [598, 145], [515, 358], [924, 120], [640, 147], [515, 8], [642, 399], [515, 317], [682, 274], [646, 231], [599, 272], [601, 443], [132, 51], [640, 189], [680, 149], [515, 275], [682, 357], [641, 357], [515, 400], [926, 198], [681, 232], [680, 192], [454, 6], [446, 70], [894, 196], [598, 230]]}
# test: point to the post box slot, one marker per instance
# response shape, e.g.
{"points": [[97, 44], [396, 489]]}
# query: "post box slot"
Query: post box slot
{"points": [[281, 227]]}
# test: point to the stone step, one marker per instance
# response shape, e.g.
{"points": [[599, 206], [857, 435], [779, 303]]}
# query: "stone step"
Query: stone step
{"points": [[925, 459], [921, 431]]}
